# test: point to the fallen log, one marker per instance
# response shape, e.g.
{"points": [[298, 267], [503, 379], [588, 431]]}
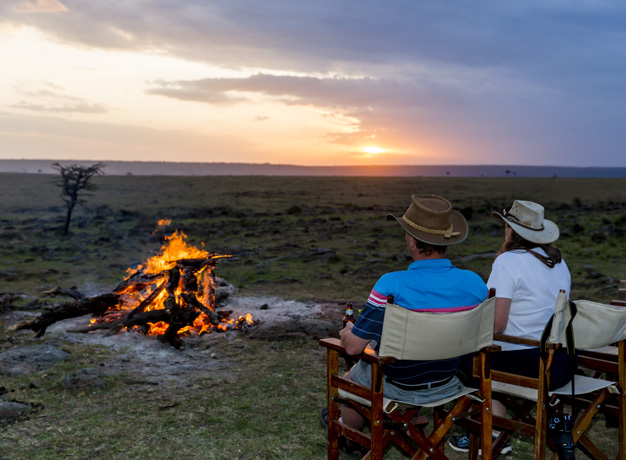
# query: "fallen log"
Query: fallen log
{"points": [[93, 305], [65, 292]]}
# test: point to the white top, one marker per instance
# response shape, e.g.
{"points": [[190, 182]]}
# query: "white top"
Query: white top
{"points": [[532, 287]]}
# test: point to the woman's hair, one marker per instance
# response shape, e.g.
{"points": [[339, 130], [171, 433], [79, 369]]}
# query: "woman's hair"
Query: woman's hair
{"points": [[552, 257]]}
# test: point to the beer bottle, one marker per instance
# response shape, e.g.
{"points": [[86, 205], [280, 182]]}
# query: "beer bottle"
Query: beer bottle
{"points": [[349, 316]]}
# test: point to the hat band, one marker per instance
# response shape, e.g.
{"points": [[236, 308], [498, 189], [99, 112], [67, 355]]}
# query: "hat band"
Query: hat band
{"points": [[528, 227], [447, 233]]}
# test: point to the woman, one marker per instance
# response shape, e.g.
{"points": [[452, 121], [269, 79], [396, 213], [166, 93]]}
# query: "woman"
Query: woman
{"points": [[528, 274]]}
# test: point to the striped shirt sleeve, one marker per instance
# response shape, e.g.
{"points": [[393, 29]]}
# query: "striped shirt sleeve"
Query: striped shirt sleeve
{"points": [[369, 324]]}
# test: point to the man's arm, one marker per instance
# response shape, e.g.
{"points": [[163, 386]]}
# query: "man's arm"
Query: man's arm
{"points": [[353, 344]]}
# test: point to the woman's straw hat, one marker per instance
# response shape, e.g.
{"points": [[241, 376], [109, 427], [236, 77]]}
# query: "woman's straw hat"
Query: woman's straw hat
{"points": [[526, 219], [432, 220]]}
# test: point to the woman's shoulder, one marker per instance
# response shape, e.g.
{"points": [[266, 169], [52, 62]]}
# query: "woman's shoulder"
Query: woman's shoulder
{"points": [[513, 254]]}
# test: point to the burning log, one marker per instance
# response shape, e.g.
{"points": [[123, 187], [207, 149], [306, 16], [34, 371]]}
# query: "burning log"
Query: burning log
{"points": [[137, 282], [174, 292]]}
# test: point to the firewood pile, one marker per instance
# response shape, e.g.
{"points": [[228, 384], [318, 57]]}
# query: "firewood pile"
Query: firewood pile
{"points": [[173, 293]]}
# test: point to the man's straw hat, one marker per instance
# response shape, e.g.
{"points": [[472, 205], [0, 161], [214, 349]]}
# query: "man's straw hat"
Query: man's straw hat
{"points": [[526, 219], [432, 220]]}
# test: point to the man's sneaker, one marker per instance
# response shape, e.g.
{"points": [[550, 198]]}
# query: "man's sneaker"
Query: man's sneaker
{"points": [[506, 449], [461, 444]]}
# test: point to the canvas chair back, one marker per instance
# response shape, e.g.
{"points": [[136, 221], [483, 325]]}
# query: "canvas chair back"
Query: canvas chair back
{"points": [[595, 325], [414, 335]]}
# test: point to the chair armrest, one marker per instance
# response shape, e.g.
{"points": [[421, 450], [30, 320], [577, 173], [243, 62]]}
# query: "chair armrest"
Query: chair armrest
{"points": [[492, 349], [523, 341], [368, 355], [516, 340]]}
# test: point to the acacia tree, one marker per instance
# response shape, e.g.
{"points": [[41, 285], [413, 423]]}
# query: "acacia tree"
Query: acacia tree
{"points": [[74, 181]]}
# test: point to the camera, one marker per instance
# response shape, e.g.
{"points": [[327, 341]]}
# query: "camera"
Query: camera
{"points": [[560, 431]]}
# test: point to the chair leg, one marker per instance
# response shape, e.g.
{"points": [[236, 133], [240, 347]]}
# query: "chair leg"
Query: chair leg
{"points": [[542, 405], [590, 449], [332, 363], [473, 447], [486, 417], [376, 415], [621, 369], [428, 446]]}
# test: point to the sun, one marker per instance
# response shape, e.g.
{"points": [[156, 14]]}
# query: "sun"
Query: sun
{"points": [[373, 150]]}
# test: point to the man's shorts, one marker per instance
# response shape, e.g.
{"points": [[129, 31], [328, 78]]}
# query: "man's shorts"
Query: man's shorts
{"points": [[361, 373]]}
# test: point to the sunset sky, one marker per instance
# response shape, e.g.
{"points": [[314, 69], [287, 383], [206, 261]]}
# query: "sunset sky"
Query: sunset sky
{"points": [[526, 82]]}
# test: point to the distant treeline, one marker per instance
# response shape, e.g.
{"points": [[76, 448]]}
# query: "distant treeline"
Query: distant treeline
{"points": [[121, 168]]}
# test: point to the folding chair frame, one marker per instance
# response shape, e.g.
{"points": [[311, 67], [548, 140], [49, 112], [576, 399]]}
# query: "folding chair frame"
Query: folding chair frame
{"points": [[394, 426], [596, 401], [604, 401]]}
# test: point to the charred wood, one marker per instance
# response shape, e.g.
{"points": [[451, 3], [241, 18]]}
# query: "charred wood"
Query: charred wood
{"points": [[192, 301], [179, 319], [92, 305], [147, 301], [71, 292], [172, 281], [138, 282]]}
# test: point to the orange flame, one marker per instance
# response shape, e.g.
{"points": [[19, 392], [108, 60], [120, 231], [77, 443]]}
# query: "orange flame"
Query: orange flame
{"points": [[174, 250]]}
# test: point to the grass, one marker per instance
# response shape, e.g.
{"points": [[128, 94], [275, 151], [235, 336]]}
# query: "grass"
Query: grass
{"points": [[300, 238], [250, 412]]}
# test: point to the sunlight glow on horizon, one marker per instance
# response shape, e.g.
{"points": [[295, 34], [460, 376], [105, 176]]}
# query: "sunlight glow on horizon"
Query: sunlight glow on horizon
{"points": [[373, 150]]}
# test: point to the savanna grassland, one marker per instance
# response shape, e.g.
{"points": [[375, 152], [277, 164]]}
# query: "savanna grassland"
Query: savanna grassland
{"points": [[303, 238], [299, 237]]}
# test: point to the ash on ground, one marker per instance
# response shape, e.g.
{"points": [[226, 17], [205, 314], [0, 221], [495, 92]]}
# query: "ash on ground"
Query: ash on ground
{"points": [[151, 362]]}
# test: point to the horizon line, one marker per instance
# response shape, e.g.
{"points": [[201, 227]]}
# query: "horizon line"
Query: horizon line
{"points": [[312, 166]]}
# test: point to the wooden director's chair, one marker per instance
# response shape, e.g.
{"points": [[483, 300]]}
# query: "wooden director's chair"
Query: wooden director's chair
{"points": [[600, 334], [413, 335], [593, 326]]}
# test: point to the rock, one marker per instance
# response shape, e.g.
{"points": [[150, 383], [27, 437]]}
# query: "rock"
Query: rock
{"points": [[223, 289], [12, 410], [29, 359], [598, 237], [577, 228], [88, 377]]}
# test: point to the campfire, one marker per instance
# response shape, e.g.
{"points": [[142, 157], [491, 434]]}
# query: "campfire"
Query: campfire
{"points": [[173, 293]]}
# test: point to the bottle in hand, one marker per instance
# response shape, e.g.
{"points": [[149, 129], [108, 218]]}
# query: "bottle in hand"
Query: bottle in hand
{"points": [[349, 316]]}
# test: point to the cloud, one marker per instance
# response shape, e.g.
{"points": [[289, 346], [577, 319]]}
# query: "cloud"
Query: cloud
{"points": [[59, 138], [60, 108], [554, 43], [43, 96], [530, 79], [40, 6], [289, 89]]}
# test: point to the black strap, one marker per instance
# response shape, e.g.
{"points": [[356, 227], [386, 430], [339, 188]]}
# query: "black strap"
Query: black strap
{"points": [[570, 346], [571, 352]]}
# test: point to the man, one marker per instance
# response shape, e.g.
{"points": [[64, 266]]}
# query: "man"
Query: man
{"points": [[431, 284]]}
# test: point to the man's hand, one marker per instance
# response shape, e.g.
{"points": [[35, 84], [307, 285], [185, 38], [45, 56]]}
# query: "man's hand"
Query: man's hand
{"points": [[353, 344], [349, 326]]}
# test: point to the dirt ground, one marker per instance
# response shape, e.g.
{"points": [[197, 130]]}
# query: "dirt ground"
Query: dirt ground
{"points": [[149, 360]]}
